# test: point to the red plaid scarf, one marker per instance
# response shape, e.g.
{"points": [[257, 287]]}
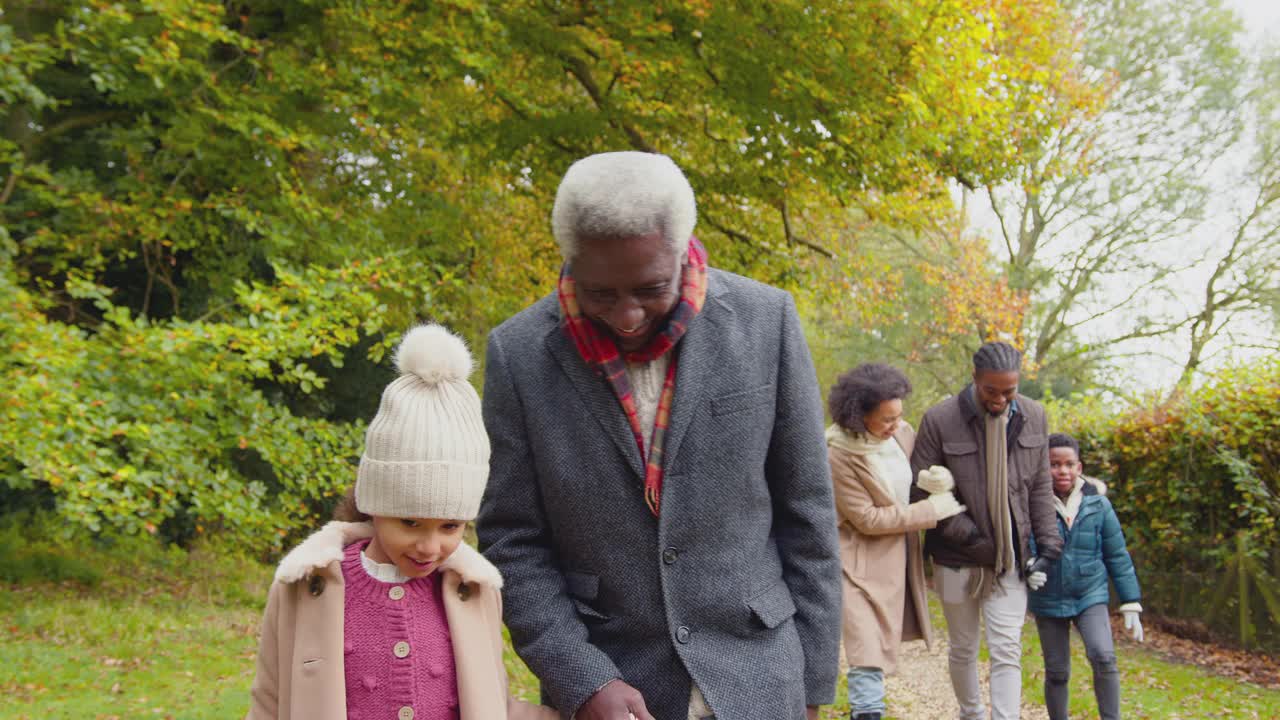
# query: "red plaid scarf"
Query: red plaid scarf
{"points": [[601, 354]]}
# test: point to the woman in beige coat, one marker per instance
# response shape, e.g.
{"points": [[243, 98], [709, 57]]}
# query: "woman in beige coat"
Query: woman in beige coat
{"points": [[884, 594]]}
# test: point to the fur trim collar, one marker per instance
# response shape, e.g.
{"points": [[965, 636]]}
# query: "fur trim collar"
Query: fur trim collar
{"points": [[473, 567], [321, 548], [326, 545]]}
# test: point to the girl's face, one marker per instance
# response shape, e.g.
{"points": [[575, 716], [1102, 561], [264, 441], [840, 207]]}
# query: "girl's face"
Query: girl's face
{"points": [[885, 419], [416, 546], [1065, 467]]}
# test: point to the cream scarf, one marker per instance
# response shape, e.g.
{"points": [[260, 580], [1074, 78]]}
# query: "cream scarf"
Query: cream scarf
{"points": [[995, 429], [889, 464], [1069, 509]]}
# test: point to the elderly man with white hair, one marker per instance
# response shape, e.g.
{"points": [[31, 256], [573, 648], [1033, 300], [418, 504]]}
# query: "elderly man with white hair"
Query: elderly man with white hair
{"points": [[659, 500]]}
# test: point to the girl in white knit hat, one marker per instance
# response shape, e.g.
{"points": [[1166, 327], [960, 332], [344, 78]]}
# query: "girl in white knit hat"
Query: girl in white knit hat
{"points": [[385, 612]]}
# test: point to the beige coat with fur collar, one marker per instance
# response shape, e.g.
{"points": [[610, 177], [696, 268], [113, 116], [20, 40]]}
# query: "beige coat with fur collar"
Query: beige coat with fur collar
{"points": [[300, 673], [884, 587]]}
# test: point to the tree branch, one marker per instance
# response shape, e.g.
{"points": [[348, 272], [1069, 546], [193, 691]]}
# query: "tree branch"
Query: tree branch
{"points": [[1004, 229], [794, 239], [523, 115], [577, 67], [76, 122], [9, 184]]}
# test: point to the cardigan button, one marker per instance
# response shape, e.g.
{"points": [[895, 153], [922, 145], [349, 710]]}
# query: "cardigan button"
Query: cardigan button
{"points": [[406, 713], [401, 649], [396, 593]]}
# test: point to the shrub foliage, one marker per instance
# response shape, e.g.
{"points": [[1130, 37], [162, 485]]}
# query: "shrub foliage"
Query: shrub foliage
{"points": [[1196, 481]]}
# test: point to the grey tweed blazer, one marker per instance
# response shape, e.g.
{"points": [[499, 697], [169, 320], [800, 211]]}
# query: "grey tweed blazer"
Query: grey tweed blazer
{"points": [[737, 585]]}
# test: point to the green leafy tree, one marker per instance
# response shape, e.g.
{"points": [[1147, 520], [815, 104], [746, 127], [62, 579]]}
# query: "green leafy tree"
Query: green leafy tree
{"points": [[1092, 224], [215, 218]]}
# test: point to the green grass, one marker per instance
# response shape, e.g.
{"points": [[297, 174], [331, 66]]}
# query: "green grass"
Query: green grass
{"points": [[1150, 687], [143, 632]]}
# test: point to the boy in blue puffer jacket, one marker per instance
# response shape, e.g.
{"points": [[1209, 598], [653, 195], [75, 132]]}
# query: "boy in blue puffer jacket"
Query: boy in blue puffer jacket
{"points": [[1075, 590]]}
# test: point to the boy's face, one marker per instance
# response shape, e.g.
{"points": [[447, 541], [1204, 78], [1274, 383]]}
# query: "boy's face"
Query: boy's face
{"points": [[1065, 467], [416, 546]]}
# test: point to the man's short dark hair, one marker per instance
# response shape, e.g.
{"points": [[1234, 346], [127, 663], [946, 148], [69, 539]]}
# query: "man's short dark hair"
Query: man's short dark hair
{"points": [[1057, 440], [998, 357], [862, 389]]}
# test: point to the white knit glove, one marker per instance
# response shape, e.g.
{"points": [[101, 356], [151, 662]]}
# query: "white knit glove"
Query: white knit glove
{"points": [[945, 505], [1036, 576], [935, 480], [1132, 622]]}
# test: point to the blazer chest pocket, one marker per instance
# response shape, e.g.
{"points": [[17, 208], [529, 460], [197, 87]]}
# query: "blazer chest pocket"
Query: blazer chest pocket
{"points": [[773, 606], [744, 400], [583, 590]]}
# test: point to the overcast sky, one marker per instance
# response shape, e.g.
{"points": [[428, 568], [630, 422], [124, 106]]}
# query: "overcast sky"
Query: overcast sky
{"points": [[1157, 363], [1261, 17]]}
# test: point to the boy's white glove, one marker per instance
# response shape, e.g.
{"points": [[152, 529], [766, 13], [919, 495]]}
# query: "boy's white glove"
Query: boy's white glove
{"points": [[1132, 622], [945, 505], [1036, 575], [935, 480]]}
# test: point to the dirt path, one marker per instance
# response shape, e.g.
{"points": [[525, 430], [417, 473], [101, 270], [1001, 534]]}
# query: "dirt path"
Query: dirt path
{"points": [[921, 690]]}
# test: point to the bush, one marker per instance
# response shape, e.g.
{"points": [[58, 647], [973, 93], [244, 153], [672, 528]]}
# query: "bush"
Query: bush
{"points": [[177, 428], [31, 555], [43, 548], [1196, 481]]}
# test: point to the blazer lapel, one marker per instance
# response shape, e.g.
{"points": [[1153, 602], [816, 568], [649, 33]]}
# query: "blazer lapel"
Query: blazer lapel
{"points": [[598, 397], [697, 360]]}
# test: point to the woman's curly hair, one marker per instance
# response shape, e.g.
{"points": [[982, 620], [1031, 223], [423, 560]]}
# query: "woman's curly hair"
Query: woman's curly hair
{"points": [[862, 389]]}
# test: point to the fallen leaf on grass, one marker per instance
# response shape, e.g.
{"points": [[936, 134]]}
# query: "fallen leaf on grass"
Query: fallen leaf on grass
{"points": [[1190, 644]]}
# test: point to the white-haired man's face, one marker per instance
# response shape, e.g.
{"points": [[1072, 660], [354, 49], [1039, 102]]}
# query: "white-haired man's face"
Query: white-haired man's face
{"points": [[627, 286]]}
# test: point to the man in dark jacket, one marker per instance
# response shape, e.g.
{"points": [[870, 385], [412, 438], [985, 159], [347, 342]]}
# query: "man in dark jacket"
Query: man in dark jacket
{"points": [[659, 500], [992, 444]]}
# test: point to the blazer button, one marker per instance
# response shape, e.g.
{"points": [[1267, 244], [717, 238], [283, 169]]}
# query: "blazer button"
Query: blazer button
{"points": [[316, 585], [670, 555], [683, 634]]}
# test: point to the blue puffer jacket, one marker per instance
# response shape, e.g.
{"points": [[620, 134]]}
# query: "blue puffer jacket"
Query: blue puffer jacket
{"points": [[1092, 549]]}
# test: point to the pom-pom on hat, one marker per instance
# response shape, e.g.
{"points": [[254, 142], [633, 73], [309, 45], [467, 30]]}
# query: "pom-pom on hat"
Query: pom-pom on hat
{"points": [[426, 452]]}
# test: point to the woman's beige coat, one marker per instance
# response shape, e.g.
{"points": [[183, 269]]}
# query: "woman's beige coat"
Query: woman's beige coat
{"points": [[884, 588], [300, 674]]}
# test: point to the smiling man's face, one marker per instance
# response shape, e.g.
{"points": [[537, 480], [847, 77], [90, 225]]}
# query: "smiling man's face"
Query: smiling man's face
{"points": [[627, 286]]}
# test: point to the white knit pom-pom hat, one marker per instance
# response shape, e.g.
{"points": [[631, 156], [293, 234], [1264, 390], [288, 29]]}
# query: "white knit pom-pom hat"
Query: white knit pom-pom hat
{"points": [[426, 453]]}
